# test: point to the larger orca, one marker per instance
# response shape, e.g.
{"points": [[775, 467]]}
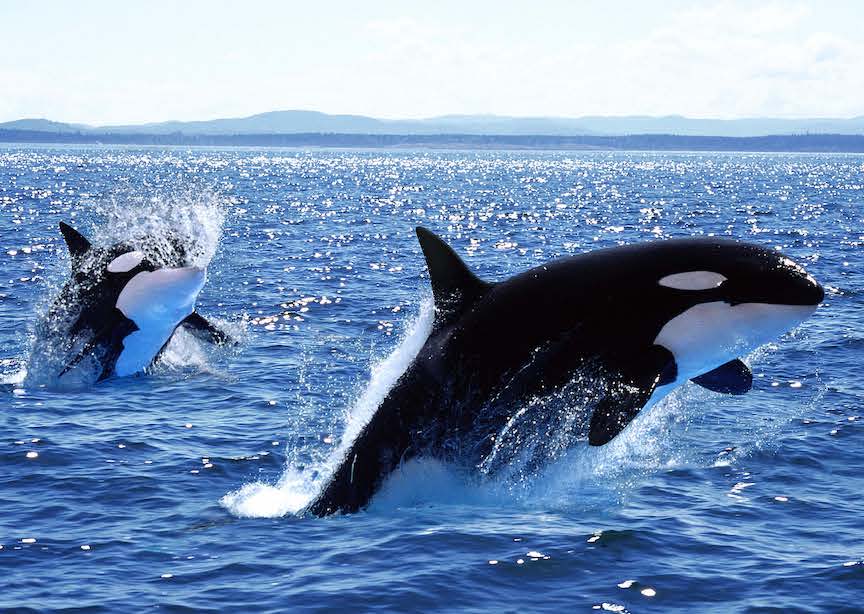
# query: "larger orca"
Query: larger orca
{"points": [[121, 306], [623, 326]]}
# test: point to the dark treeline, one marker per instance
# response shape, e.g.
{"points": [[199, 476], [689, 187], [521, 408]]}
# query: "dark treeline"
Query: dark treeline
{"points": [[654, 142]]}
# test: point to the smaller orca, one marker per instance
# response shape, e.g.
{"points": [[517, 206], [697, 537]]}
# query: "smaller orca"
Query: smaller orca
{"points": [[122, 305]]}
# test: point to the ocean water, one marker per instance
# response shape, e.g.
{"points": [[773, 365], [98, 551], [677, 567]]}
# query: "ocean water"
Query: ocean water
{"points": [[177, 490]]}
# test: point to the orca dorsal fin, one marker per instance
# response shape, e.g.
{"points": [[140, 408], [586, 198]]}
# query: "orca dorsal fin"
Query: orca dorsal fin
{"points": [[454, 286], [76, 242]]}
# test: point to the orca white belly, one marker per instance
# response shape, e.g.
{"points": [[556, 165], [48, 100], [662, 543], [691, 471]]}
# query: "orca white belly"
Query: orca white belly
{"points": [[156, 302]]}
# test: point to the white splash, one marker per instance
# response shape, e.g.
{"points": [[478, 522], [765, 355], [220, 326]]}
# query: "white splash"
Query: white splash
{"points": [[294, 490], [260, 500], [153, 221], [385, 373], [183, 352]]}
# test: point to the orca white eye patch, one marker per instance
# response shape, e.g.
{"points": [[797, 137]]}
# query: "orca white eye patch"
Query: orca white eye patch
{"points": [[693, 280], [126, 262]]}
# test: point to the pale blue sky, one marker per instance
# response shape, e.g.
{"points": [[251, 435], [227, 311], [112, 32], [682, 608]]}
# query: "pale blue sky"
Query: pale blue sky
{"points": [[121, 61]]}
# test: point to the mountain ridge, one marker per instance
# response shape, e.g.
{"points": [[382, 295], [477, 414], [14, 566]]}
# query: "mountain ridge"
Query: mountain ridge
{"points": [[308, 122]]}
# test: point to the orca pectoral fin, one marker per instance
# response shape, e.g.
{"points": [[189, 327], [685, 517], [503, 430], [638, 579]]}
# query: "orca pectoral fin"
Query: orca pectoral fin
{"points": [[734, 377], [105, 345], [203, 329], [614, 412], [627, 394]]}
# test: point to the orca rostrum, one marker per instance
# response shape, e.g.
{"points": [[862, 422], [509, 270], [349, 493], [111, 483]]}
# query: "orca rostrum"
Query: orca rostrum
{"points": [[607, 333]]}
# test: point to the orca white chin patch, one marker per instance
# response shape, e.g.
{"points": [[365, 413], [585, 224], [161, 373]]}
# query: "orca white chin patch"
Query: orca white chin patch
{"points": [[156, 301], [693, 280], [710, 334], [126, 262]]}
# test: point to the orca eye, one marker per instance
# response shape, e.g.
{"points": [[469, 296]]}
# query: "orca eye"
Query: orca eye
{"points": [[693, 280], [125, 263]]}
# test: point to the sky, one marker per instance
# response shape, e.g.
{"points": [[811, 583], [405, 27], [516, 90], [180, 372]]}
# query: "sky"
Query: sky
{"points": [[114, 62]]}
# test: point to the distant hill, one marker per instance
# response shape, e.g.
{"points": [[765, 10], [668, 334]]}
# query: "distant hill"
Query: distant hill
{"points": [[41, 125], [275, 122], [313, 122]]}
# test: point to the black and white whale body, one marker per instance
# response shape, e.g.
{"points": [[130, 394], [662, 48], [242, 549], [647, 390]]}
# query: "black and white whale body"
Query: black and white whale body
{"points": [[623, 326], [120, 307]]}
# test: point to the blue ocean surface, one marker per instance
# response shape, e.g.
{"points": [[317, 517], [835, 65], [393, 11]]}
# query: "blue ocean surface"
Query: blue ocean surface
{"points": [[177, 490]]}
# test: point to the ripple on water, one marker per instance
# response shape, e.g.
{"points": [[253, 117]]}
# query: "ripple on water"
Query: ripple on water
{"points": [[706, 504]]}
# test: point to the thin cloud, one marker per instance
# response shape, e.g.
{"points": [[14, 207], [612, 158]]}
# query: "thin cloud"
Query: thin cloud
{"points": [[738, 59]]}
